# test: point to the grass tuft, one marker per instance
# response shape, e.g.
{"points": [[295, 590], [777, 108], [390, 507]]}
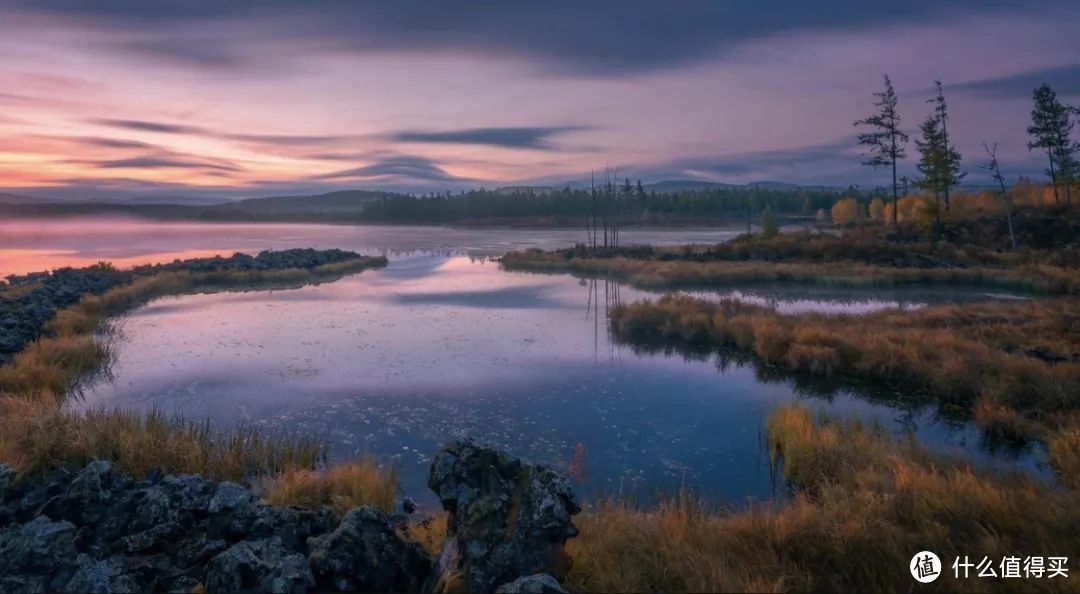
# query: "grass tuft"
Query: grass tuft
{"points": [[342, 486]]}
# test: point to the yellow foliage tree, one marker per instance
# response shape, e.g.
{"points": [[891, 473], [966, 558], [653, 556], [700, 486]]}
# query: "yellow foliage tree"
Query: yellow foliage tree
{"points": [[847, 212], [822, 216], [877, 210]]}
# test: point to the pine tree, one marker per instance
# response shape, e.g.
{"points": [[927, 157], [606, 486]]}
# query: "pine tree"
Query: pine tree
{"points": [[1051, 130], [885, 141]]}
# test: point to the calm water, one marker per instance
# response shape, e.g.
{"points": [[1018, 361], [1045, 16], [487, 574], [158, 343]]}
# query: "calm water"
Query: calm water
{"points": [[442, 343]]}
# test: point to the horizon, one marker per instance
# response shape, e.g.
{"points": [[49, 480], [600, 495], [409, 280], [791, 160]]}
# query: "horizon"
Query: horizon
{"points": [[122, 100]]}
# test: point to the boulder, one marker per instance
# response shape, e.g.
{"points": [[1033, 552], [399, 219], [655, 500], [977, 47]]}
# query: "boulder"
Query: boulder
{"points": [[366, 554], [261, 566], [234, 509], [100, 577], [507, 518], [39, 552]]}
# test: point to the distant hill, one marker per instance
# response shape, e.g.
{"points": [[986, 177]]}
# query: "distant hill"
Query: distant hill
{"points": [[6, 198], [179, 200], [342, 202], [685, 185]]}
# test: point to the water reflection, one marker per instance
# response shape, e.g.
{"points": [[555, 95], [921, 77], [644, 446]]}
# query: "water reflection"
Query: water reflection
{"points": [[397, 361]]}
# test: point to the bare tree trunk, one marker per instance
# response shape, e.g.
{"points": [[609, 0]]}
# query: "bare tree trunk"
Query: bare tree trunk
{"points": [[1053, 178], [895, 198]]}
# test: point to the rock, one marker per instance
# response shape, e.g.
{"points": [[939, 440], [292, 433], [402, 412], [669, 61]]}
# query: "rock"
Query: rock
{"points": [[90, 496], [365, 554], [100, 577], [180, 499], [538, 583], [234, 509], [185, 585], [7, 478], [294, 525], [40, 548], [22, 584], [259, 566], [507, 518], [408, 505]]}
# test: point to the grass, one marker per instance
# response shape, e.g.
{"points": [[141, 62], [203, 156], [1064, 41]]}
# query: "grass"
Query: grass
{"points": [[341, 487], [37, 438], [864, 503], [664, 274], [1019, 361]]}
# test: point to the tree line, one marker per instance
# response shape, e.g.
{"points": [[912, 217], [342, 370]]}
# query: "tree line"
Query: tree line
{"points": [[939, 165], [603, 207]]}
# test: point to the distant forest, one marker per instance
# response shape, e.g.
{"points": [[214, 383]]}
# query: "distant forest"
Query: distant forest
{"points": [[627, 203]]}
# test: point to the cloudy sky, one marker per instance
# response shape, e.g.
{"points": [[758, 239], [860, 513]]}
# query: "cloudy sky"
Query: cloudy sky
{"points": [[250, 97]]}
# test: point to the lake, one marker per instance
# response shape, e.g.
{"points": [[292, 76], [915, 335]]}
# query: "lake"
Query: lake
{"points": [[442, 343]]}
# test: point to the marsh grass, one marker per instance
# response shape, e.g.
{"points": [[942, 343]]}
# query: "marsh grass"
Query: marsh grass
{"points": [[341, 486], [863, 504], [37, 437], [1019, 355], [668, 274]]}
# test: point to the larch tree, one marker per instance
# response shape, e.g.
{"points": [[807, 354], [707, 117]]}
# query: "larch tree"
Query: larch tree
{"points": [[950, 156], [939, 164], [1051, 130], [885, 140]]}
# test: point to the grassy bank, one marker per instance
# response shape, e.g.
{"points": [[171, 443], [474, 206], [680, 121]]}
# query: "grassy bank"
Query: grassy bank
{"points": [[863, 257], [669, 274], [38, 435], [863, 504], [1014, 365]]}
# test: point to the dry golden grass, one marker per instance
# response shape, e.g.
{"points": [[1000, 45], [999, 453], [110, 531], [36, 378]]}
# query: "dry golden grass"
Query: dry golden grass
{"points": [[865, 504], [1020, 355], [341, 487], [430, 533], [37, 436], [1064, 450], [660, 274], [50, 366]]}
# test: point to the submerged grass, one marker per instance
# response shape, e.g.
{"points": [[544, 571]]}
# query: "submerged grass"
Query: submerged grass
{"points": [[864, 504]]}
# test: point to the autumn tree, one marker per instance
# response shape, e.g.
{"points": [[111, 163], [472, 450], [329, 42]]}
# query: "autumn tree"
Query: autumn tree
{"points": [[877, 210], [885, 140], [847, 212], [1051, 130]]}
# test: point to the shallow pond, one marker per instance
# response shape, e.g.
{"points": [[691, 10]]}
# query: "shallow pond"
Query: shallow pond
{"points": [[442, 343]]}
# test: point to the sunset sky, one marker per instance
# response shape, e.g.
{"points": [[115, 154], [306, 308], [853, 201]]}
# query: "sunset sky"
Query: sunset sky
{"points": [[248, 98]]}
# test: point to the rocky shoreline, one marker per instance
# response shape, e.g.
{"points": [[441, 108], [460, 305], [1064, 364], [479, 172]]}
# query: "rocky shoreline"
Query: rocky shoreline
{"points": [[29, 301], [97, 530]]}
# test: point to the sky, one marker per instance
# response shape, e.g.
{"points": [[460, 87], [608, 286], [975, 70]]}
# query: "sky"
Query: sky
{"points": [[130, 98]]}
